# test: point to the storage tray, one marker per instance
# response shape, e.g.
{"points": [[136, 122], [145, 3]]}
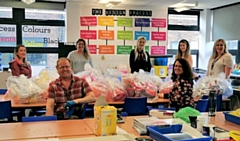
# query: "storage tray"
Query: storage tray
{"points": [[160, 133], [232, 118]]}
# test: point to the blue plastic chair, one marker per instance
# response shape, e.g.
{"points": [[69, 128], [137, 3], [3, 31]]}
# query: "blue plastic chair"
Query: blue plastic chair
{"points": [[135, 106], [219, 101], [39, 118], [202, 105], [6, 110], [3, 91]]}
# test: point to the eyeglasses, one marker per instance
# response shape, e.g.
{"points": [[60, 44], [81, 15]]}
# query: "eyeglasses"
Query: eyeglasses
{"points": [[62, 67]]}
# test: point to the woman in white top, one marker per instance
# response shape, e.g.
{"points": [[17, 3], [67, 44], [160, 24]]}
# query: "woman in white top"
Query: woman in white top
{"points": [[221, 60], [184, 51], [80, 56]]}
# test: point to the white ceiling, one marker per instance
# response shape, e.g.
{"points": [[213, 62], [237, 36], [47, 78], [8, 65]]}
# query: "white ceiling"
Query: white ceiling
{"points": [[202, 4]]}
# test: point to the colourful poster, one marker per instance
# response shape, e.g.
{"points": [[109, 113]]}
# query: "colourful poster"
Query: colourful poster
{"points": [[158, 22], [106, 49], [145, 34], [159, 36], [124, 35], [146, 48], [106, 34], [128, 22], [88, 34], [124, 49], [92, 49], [105, 21], [142, 22], [88, 21], [158, 50]]}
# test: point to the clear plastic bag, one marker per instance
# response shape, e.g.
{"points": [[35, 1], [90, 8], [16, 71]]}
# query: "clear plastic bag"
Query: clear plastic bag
{"points": [[23, 90], [89, 75]]}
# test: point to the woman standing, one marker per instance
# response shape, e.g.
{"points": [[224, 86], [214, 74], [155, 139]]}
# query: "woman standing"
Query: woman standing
{"points": [[139, 58], [221, 60], [20, 65], [182, 77], [184, 51], [80, 56]]}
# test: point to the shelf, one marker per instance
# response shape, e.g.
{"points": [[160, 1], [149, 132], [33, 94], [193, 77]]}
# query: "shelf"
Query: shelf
{"points": [[161, 56]]}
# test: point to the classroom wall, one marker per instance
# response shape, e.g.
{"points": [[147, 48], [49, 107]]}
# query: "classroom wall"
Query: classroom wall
{"points": [[75, 10]]}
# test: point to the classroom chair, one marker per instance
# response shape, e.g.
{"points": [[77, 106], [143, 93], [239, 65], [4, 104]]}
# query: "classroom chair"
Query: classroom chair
{"points": [[6, 110], [134, 106], [39, 118], [202, 105]]}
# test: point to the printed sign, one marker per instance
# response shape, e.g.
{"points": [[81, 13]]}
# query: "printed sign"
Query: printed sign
{"points": [[124, 35], [159, 36], [128, 22], [88, 21], [124, 49], [97, 11], [106, 34], [88, 34], [158, 50], [92, 49], [145, 34], [157, 22], [140, 13], [106, 49], [105, 21], [142, 22], [115, 12]]}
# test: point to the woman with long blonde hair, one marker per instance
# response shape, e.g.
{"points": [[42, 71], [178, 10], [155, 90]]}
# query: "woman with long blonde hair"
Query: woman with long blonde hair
{"points": [[139, 58], [20, 65], [80, 56], [220, 60]]}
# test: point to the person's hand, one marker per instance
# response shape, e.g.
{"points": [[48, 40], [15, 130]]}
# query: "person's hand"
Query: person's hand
{"points": [[70, 103]]}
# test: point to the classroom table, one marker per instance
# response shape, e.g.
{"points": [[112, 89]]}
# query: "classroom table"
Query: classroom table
{"points": [[46, 129]]}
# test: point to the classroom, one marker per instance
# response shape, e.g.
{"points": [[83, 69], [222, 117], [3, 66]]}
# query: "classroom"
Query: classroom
{"points": [[131, 69]]}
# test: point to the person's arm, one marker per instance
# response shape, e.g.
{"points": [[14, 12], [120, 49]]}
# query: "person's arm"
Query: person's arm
{"points": [[190, 61], [14, 66], [50, 101], [208, 68], [70, 58], [186, 92], [228, 64], [90, 97], [149, 62], [50, 107], [131, 60], [90, 62]]}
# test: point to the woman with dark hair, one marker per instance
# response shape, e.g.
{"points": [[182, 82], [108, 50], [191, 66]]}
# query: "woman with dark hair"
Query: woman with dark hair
{"points": [[20, 65], [80, 56], [182, 77], [184, 51]]}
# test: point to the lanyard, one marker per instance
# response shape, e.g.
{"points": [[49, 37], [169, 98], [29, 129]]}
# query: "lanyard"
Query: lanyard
{"points": [[215, 60]]}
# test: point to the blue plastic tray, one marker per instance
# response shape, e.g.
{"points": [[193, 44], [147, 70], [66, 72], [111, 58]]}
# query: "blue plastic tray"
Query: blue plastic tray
{"points": [[232, 118], [157, 133]]}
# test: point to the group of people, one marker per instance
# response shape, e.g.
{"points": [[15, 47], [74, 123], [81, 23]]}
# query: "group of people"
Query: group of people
{"points": [[70, 92]]}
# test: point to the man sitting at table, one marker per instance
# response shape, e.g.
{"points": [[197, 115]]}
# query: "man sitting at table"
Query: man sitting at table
{"points": [[67, 93]]}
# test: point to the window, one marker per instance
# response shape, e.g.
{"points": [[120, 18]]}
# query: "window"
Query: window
{"points": [[175, 19], [174, 36], [183, 25], [232, 45], [42, 36], [5, 12], [7, 35], [44, 14]]}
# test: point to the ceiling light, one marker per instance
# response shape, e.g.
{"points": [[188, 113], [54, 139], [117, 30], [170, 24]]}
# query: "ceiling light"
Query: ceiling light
{"points": [[180, 9], [28, 1], [109, 5], [103, 1]]}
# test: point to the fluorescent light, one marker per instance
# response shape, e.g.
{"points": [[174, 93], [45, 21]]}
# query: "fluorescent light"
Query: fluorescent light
{"points": [[28, 1], [109, 5], [180, 9], [103, 1]]}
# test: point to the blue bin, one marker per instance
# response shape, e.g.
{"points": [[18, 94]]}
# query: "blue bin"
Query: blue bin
{"points": [[160, 61], [232, 118], [157, 133]]}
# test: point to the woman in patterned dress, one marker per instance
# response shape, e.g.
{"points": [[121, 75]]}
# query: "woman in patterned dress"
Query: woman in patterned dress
{"points": [[182, 77]]}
